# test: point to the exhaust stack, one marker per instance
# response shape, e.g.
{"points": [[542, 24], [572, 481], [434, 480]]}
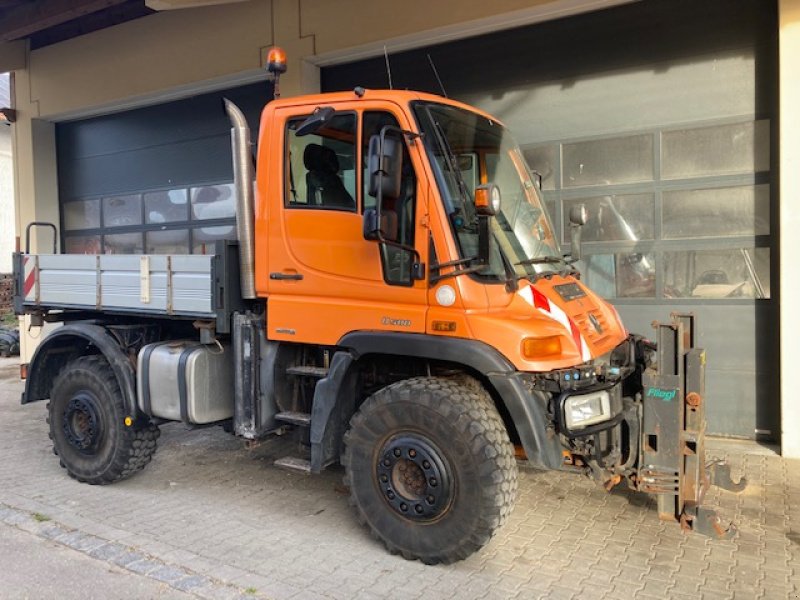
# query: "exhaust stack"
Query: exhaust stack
{"points": [[243, 183]]}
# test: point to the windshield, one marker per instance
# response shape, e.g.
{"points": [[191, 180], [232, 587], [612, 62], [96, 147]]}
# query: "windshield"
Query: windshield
{"points": [[466, 150]]}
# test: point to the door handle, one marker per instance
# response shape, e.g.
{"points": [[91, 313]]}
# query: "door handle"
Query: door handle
{"points": [[286, 276]]}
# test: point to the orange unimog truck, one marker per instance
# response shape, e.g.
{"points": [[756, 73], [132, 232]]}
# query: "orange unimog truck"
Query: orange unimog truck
{"points": [[397, 300]]}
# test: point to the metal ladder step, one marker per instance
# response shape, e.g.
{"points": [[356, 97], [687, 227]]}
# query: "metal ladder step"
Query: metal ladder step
{"points": [[295, 464], [307, 371], [294, 418]]}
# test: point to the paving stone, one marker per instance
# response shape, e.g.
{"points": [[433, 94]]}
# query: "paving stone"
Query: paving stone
{"points": [[205, 507]]}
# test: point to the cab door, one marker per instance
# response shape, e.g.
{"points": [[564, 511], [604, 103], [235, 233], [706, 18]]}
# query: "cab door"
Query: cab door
{"points": [[325, 278]]}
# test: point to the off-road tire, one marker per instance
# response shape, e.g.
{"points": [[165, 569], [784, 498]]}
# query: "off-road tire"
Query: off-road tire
{"points": [[120, 450], [463, 426], [9, 342]]}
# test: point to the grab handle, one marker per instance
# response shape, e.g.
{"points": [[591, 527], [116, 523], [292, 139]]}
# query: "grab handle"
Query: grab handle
{"points": [[39, 224]]}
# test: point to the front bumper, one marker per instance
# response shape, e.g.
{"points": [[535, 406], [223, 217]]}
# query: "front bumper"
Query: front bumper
{"points": [[654, 438]]}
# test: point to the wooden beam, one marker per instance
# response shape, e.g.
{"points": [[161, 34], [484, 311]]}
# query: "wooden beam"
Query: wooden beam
{"points": [[12, 56], [27, 19]]}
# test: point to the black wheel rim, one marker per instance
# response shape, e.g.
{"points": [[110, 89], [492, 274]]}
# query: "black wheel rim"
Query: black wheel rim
{"points": [[82, 426], [414, 477]]}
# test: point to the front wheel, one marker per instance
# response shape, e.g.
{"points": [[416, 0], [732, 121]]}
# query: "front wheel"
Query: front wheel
{"points": [[430, 468], [87, 414]]}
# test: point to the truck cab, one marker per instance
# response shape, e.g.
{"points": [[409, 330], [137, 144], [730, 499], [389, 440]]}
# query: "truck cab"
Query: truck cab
{"points": [[425, 273]]}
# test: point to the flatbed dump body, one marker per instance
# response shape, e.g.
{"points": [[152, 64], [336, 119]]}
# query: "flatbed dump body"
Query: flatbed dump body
{"points": [[174, 285]]}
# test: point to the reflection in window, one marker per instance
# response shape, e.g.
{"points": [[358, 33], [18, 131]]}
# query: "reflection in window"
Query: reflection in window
{"points": [[542, 160], [609, 161], [213, 202], [718, 150], [120, 211], [622, 275], [614, 218], [168, 241], [166, 206], [204, 238], [717, 212], [82, 244], [123, 243], [82, 214], [734, 273]]}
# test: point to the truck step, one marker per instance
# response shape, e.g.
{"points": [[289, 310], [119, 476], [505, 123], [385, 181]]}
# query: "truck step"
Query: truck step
{"points": [[307, 371], [294, 418], [293, 463]]}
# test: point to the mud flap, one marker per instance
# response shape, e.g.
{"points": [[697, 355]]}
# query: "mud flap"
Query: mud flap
{"points": [[673, 465]]}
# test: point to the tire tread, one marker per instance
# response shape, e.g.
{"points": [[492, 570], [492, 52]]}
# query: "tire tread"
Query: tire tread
{"points": [[137, 444], [472, 412]]}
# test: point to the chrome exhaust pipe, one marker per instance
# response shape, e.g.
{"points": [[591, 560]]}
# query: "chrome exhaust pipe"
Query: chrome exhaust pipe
{"points": [[243, 184]]}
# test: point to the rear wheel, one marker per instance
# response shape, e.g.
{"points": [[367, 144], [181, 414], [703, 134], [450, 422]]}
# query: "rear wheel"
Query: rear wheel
{"points": [[430, 468], [87, 414]]}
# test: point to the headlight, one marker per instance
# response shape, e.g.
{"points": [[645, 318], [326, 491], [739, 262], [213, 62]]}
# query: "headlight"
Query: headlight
{"points": [[583, 410]]}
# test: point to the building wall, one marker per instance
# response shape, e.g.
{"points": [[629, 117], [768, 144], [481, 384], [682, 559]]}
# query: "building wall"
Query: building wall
{"points": [[7, 228], [789, 40]]}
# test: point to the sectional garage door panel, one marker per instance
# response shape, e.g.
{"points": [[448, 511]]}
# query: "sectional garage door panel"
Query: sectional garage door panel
{"points": [[179, 143], [155, 179]]}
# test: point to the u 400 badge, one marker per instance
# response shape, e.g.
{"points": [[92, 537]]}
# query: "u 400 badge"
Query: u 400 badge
{"points": [[396, 322]]}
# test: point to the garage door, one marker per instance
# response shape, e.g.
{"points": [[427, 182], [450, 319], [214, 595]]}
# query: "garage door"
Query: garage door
{"points": [[155, 179], [658, 116]]}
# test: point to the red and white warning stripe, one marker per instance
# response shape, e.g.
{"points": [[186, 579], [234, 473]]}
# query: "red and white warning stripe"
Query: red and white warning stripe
{"points": [[29, 279], [538, 300]]}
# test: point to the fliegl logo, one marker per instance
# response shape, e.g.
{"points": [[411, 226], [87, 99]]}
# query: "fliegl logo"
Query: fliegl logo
{"points": [[665, 395]]}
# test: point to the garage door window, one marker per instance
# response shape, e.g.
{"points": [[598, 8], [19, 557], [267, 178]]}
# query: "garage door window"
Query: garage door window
{"points": [[682, 212], [174, 221]]}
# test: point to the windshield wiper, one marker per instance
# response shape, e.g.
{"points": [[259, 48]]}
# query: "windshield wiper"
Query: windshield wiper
{"points": [[450, 161], [539, 260]]}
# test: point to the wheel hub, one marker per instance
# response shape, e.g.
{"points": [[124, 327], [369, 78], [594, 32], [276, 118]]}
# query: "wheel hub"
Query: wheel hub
{"points": [[81, 424], [414, 477]]}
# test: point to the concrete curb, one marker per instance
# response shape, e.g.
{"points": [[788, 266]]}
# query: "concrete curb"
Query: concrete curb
{"points": [[125, 557]]}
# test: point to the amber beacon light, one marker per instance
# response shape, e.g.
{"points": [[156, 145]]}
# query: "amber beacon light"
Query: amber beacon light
{"points": [[276, 60], [276, 65]]}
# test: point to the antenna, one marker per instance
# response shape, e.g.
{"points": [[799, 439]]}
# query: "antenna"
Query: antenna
{"points": [[388, 68], [439, 79]]}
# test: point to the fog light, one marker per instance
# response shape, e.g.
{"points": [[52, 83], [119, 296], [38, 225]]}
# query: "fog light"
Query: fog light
{"points": [[587, 409]]}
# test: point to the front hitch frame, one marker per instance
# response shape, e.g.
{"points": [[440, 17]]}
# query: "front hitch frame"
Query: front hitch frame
{"points": [[672, 462]]}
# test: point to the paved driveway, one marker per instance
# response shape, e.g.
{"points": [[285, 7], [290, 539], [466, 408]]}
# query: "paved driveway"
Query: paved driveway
{"points": [[216, 520]]}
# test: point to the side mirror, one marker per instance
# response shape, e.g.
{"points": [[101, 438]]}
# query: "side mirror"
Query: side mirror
{"points": [[320, 116], [577, 219], [385, 166]]}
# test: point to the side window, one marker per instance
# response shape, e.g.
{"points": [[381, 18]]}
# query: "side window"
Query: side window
{"points": [[321, 166], [397, 214]]}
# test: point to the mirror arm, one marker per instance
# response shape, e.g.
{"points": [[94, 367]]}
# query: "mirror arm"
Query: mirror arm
{"points": [[575, 242], [483, 239]]}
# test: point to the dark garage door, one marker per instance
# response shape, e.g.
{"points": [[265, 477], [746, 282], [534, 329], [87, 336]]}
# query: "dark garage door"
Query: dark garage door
{"points": [[659, 116], [155, 179]]}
